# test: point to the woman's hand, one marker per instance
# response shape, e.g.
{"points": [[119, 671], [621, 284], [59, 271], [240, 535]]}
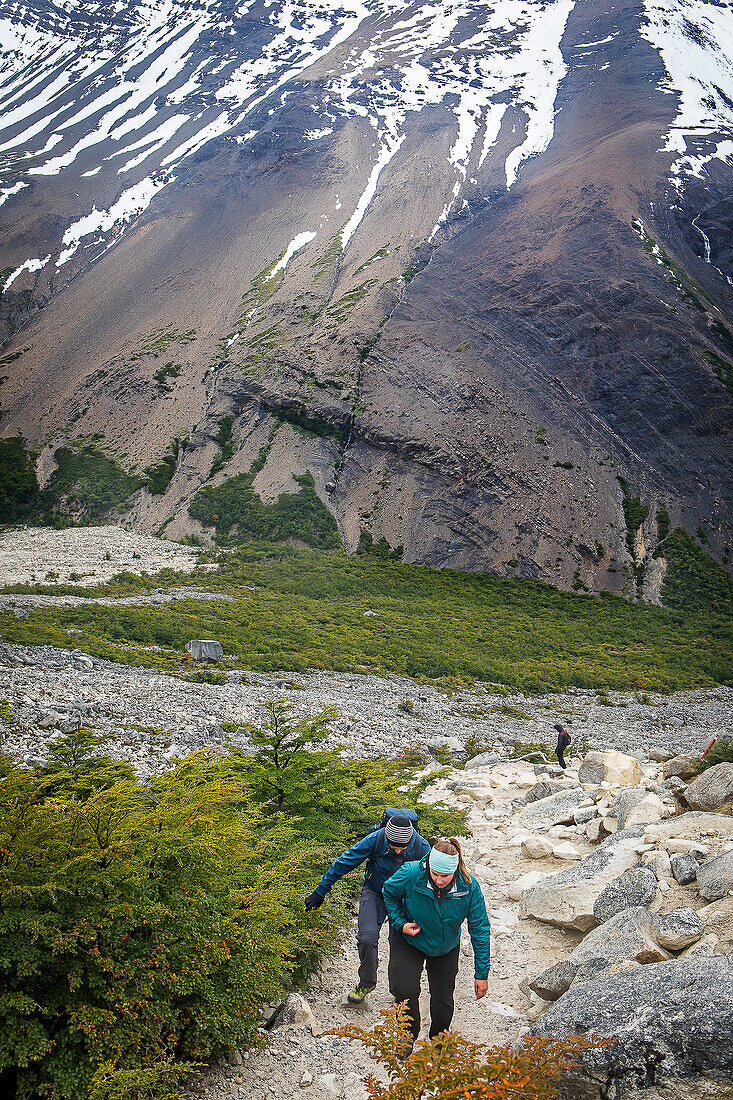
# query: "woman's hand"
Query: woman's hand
{"points": [[480, 985], [411, 929]]}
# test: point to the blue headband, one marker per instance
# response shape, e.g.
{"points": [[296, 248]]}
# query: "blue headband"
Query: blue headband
{"points": [[442, 863]]}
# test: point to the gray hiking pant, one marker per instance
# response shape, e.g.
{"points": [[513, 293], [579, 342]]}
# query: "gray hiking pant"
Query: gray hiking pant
{"points": [[372, 916]]}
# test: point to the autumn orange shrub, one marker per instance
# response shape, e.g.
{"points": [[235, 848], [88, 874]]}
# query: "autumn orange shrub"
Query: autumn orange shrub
{"points": [[451, 1067]]}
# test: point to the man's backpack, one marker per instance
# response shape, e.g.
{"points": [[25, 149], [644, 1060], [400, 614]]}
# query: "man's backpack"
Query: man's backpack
{"points": [[391, 811]]}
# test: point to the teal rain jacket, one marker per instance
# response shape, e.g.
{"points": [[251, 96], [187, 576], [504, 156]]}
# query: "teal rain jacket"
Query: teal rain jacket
{"points": [[409, 896]]}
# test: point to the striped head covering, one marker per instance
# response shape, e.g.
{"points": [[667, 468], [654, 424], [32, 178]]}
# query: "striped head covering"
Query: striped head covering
{"points": [[398, 831]]}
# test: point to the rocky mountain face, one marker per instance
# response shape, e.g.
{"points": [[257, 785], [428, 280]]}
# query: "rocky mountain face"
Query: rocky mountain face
{"points": [[466, 266]]}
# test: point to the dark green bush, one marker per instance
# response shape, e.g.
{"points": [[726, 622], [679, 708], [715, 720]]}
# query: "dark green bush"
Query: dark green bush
{"points": [[143, 926], [236, 505], [90, 482], [694, 581], [19, 490]]}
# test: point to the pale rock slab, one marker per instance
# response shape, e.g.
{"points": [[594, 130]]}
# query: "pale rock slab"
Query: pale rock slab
{"points": [[709, 944], [537, 847], [567, 899], [713, 790], [566, 850], [615, 768], [659, 862]]}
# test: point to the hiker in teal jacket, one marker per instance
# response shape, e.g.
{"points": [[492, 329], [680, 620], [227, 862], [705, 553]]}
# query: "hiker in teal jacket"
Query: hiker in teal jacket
{"points": [[427, 902]]}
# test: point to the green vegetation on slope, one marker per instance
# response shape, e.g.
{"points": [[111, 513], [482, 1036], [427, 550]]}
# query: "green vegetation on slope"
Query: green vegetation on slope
{"points": [[296, 609], [19, 490], [90, 482], [144, 925], [238, 513], [693, 581]]}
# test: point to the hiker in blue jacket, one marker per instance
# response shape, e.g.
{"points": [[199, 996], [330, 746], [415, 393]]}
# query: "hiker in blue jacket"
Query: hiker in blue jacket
{"points": [[385, 850]]}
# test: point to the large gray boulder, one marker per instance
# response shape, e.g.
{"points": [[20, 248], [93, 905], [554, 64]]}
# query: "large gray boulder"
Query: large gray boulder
{"points": [[567, 899], [608, 766], [678, 929], [556, 809], [681, 766], [543, 789], [205, 649], [715, 878], [627, 936], [637, 806], [665, 1020], [483, 760], [637, 886], [713, 790], [684, 867]]}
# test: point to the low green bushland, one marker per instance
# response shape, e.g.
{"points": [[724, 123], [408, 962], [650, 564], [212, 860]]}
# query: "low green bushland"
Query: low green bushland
{"points": [[19, 490], [90, 481], [693, 581], [297, 609], [238, 513], [144, 925]]}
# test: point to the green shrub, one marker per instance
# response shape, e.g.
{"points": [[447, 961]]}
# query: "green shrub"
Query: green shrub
{"points": [[235, 504], [19, 490], [91, 482], [694, 581], [634, 513], [295, 609], [720, 753], [142, 926], [159, 476]]}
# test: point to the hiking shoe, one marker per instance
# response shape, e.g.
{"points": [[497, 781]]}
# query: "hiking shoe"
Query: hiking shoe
{"points": [[358, 993]]}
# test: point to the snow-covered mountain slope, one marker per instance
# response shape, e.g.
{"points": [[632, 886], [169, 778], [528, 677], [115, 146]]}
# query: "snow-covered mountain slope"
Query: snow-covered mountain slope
{"points": [[315, 209]]}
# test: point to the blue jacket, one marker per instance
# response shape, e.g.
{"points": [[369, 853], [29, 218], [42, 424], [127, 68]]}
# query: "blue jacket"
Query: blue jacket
{"points": [[408, 896], [382, 862]]}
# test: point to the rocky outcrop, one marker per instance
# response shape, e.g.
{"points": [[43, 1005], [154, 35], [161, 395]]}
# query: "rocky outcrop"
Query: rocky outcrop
{"points": [[678, 929], [665, 1020], [628, 936], [554, 809], [615, 768], [715, 878], [713, 790], [568, 898], [635, 887]]}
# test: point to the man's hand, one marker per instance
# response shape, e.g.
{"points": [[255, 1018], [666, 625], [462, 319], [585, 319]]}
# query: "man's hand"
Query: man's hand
{"points": [[410, 929], [312, 901], [480, 985]]}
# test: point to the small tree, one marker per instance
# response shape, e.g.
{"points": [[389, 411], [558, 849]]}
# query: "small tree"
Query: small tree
{"points": [[451, 1067]]}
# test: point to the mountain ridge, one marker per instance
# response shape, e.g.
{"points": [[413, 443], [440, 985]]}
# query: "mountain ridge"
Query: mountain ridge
{"points": [[501, 315]]}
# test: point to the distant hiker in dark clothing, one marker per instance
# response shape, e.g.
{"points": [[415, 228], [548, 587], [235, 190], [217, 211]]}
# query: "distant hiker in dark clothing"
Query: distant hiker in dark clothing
{"points": [[385, 849], [427, 902], [563, 740]]}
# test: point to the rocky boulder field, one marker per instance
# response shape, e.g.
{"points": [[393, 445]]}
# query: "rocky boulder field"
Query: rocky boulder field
{"points": [[609, 885]]}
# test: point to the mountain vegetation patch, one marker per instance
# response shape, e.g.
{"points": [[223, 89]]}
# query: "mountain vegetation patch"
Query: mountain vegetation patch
{"points": [[297, 609]]}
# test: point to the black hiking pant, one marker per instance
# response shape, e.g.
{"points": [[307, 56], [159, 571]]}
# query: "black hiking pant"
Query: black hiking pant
{"points": [[405, 970]]}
